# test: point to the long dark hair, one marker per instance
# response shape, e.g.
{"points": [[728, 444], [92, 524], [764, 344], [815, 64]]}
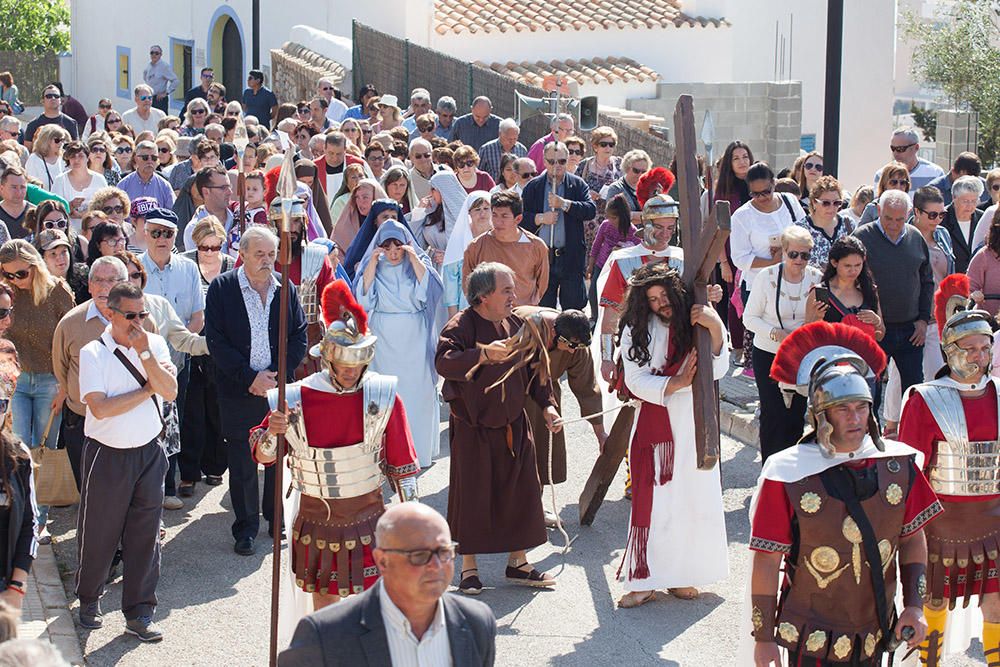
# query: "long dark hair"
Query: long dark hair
{"points": [[637, 312], [844, 247], [728, 184], [618, 207], [101, 231]]}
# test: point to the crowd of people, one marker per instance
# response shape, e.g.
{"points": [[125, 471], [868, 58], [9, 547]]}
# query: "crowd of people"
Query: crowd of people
{"points": [[434, 257]]}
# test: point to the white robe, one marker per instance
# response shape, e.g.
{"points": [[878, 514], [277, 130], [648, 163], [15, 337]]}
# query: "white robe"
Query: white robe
{"points": [[687, 537]]}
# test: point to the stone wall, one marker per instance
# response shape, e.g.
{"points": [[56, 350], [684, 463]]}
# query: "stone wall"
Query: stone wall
{"points": [[767, 115], [296, 69], [957, 131]]}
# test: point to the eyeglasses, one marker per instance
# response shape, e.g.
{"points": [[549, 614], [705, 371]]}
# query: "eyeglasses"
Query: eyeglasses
{"points": [[145, 157], [575, 151], [572, 344], [106, 281], [376, 158], [931, 215], [420, 557], [52, 96], [123, 150], [529, 174], [111, 210], [142, 314], [163, 149], [145, 98], [762, 193], [58, 223], [893, 182], [5, 313], [826, 203], [114, 240], [472, 163], [164, 233], [421, 156], [135, 275], [17, 275], [226, 186], [209, 248], [901, 149], [796, 254], [814, 166]]}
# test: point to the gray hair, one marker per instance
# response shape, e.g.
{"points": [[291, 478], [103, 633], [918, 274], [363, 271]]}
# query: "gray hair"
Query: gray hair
{"points": [[122, 291], [113, 262], [257, 233], [895, 199], [633, 156], [216, 127], [966, 185], [558, 118], [10, 123], [142, 88], [420, 95], [555, 146], [483, 281], [447, 103], [25, 651], [509, 124], [908, 133], [420, 142], [147, 145]]}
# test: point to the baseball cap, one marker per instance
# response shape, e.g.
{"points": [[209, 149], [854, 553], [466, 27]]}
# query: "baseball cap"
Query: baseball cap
{"points": [[143, 205], [161, 216], [52, 238]]}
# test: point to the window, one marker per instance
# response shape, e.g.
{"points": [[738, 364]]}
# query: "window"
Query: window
{"points": [[123, 69]]}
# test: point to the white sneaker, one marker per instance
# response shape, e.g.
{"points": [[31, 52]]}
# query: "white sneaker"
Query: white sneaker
{"points": [[172, 503]]}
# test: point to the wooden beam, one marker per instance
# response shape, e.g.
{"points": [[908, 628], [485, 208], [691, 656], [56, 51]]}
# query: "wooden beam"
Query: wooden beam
{"points": [[606, 466]]}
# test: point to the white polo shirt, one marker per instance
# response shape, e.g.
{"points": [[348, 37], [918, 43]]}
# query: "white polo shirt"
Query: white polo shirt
{"points": [[101, 371]]}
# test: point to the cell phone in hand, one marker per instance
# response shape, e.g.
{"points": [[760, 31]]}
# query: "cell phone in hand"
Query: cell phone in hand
{"points": [[823, 294]]}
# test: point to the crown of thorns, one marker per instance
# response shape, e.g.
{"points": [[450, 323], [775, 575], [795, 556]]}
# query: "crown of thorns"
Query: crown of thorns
{"points": [[654, 273]]}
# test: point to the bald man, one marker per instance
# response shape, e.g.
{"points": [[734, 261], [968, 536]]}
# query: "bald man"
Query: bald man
{"points": [[408, 614]]}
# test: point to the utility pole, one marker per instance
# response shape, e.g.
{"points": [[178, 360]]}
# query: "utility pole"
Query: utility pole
{"points": [[834, 63]]}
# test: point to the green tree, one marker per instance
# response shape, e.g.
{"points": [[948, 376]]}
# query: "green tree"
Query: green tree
{"points": [[954, 54], [925, 119], [34, 25]]}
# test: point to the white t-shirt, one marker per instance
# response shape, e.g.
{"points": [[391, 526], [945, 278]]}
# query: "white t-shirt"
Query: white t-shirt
{"points": [[760, 314], [133, 120], [979, 236], [753, 229], [101, 371], [44, 171], [62, 187]]}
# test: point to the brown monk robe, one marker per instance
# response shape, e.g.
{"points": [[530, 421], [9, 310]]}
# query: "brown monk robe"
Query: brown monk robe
{"points": [[579, 369]]}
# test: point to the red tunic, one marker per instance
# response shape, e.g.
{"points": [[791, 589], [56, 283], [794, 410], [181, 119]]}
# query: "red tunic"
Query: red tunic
{"points": [[613, 294], [336, 420]]}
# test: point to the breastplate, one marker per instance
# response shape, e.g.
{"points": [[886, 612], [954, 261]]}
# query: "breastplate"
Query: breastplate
{"points": [[312, 262]]}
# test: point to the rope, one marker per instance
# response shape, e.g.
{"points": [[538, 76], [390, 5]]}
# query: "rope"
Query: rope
{"points": [[634, 403]]}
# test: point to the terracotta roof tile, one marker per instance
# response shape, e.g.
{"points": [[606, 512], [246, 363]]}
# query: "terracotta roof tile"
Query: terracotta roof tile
{"points": [[583, 71], [473, 16]]}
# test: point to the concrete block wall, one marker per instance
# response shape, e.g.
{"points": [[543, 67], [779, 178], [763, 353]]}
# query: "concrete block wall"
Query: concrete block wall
{"points": [[767, 115], [957, 131]]}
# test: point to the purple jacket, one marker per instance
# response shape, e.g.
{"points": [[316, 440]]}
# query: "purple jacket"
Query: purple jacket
{"points": [[609, 239]]}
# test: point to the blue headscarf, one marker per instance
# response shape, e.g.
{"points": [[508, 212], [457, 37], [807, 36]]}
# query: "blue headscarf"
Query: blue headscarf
{"points": [[366, 233], [391, 229]]}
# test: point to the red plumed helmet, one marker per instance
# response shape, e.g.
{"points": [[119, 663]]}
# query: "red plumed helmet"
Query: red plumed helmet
{"points": [[951, 296], [336, 298], [271, 184], [805, 339], [653, 182]]}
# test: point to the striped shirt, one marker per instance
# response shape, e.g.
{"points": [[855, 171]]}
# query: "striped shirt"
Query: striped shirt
{"points": [[491, 153], [431, 650], [921, 175]]}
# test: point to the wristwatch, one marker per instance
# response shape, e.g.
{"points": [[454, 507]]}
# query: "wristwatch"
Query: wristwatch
{"points": [[145, 355]]}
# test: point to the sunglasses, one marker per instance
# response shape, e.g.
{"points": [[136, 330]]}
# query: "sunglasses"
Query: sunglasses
{"points": [[209, 248], [135, 275], [113, 120], [825, 203], [145, 158], [110, 210], [420, 557], [575, 151], [103, 106], [795, 254], [901, 149], [345, 130], [391, 243], [898, 181], [560, 161], [637, 171], [426, 128], [52, 96], [162, 233], [198, 112], [17, 275], [123, 150], [573, 345], [814, 166], [156, 53], [367, 133], [208, 76], [142, 314], [163, 149], [607, 144], [421, 156], [529, 174], [58, 223], [5, 313], [98, 149], [145, 98], [932, 215], [326, 88], [471, 163]]}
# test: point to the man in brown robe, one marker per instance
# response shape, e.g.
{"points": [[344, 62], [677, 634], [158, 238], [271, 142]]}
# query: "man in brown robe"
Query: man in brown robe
{"points": [[494, 502], [566, 337]]}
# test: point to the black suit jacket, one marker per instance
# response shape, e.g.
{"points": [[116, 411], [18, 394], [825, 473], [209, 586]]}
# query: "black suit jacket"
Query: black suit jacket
{"points": [[581, 209], [352, 633], [960, 244], [227, 328]]}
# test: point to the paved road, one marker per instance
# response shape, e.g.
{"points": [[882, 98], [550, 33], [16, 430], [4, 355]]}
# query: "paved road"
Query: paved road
{"points": [[214, 604]]}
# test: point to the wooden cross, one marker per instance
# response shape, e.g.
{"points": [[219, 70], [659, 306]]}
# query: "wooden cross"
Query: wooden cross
{"points": [[702, 243]]}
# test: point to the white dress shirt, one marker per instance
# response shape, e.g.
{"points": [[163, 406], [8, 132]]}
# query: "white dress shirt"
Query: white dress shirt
{"points": [[258, 314], [431, 650]]}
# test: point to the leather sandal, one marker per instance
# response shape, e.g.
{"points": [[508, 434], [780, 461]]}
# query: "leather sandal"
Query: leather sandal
{"points": [[635, 599], [470, 585], [684, 593], [532, 578]]}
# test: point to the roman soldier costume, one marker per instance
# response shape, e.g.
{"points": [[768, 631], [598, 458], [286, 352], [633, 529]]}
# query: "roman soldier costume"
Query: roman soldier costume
{"points": [[837, 518], [958, 435], [342, 444]]}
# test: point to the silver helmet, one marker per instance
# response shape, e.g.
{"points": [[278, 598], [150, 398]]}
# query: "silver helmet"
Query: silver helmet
{"points": [[960, 325]]}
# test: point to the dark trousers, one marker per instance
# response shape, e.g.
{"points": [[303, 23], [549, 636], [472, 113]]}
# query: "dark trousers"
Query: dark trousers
{"points": [[120, 503], [239, 415], [780, 426], [183, 375], [202, 450], [71, 437], [565, 286], [909, 358], [163, 105], [592, 296]]}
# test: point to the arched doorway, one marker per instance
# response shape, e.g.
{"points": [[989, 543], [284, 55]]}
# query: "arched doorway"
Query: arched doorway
{"points": [[226, 51]]}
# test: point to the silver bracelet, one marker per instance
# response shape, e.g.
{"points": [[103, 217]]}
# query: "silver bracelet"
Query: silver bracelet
{"points": [[607, 347]]}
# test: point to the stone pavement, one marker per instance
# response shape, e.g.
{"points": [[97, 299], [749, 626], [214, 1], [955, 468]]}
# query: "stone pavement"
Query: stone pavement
{"points": [[45, 611], [737, 405]]}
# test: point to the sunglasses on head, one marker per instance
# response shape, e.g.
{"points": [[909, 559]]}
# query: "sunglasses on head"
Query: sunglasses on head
{"points": [[110, 210], [142, 314], [799, 254], [607, 144], [932, 215], [901, 149], [814, 166], [762, 193], [17, 275], [560, 161], [209, 248], [572, 344], [5, 312], [58, 223], [420, 557], [164, 233], [825, 203]]}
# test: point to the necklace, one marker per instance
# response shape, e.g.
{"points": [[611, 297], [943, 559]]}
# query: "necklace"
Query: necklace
{"points": [[798, 297]]}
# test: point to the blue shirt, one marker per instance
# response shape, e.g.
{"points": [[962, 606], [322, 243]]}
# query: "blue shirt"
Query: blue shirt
{"points": [[259, 104], [356, 112], [445, 133], [158, 188], [179, 282], [878, 222], [410, 124]]}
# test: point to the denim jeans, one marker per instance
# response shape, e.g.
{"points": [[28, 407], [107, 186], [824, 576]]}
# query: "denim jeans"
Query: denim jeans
{"points": [[908, 357], [31, 406]]}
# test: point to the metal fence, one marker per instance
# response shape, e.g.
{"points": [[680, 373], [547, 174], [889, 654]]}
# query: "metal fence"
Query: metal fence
{"points": [[397, 66], [31, 72]]}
